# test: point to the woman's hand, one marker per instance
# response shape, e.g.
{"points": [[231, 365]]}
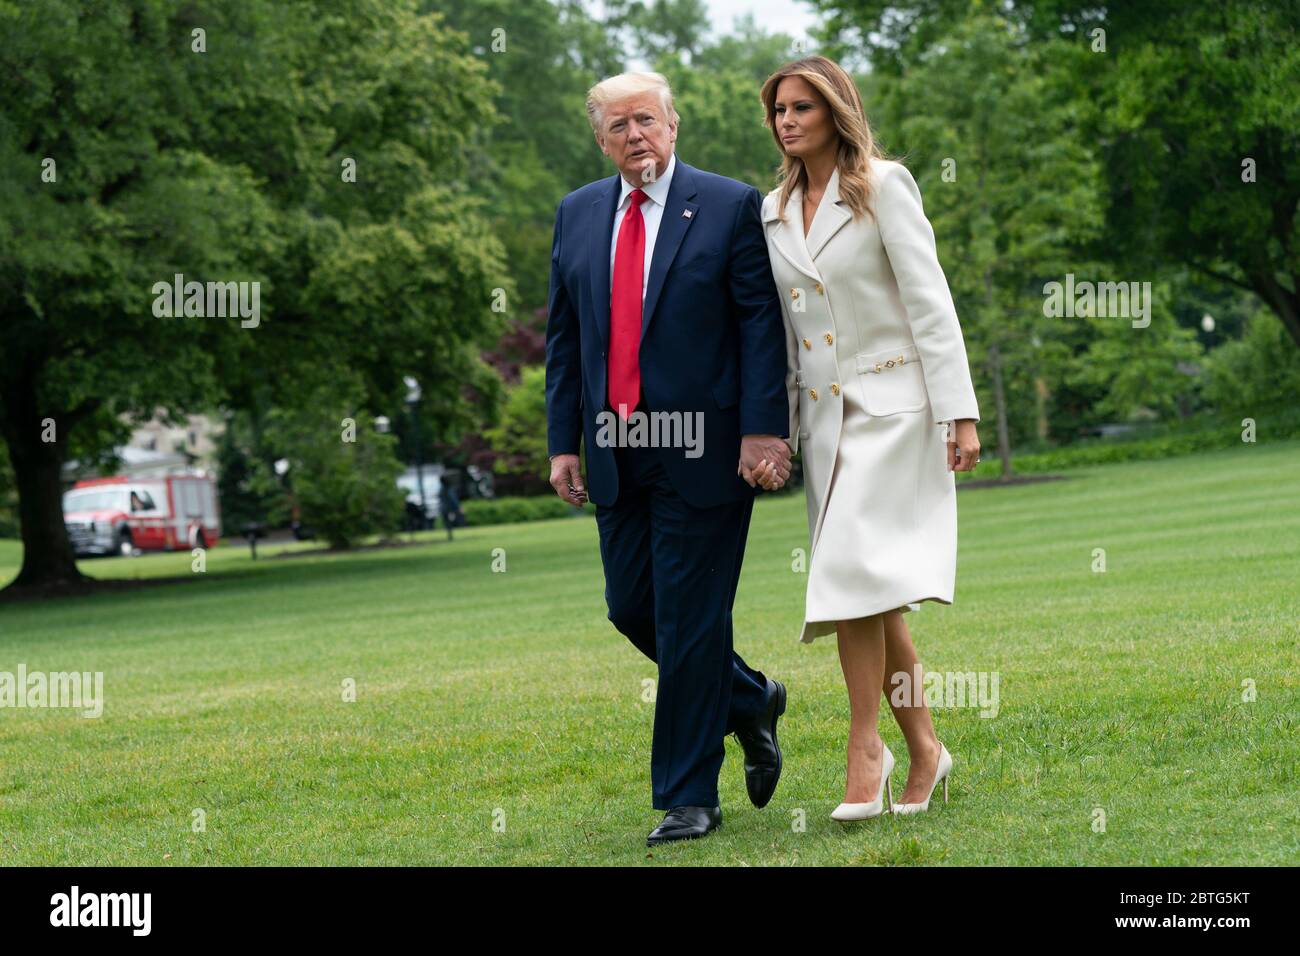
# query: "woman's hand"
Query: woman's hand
{"points": [[964, 452], [768, 476]]}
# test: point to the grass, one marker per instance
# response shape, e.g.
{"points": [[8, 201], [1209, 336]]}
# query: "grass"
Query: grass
{"points": [[499, 717]]}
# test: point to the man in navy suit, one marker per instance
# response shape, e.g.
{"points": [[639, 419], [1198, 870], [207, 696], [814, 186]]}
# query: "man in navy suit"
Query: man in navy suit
{"points": [[665, 356]]}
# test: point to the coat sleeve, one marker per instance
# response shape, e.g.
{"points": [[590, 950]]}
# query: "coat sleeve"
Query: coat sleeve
{"points": [[757, 308], [563, 360], [791, 382], [910, 246]]}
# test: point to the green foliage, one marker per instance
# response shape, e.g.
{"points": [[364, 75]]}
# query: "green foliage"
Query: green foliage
{"points": [[1273, 423], [484, 511], [342, 472], [1184, 96], [8, 500], [520, 436], [717, 96], [1254, 372], [986, 125], [541, 58], [228, 165], [1200, 94], [250, 490], [1136, 370]]}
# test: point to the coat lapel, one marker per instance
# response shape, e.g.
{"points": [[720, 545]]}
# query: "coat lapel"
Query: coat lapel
{"points": [[672, 230], [788, 236], [831, 216], [602, 213], [673, 225]]}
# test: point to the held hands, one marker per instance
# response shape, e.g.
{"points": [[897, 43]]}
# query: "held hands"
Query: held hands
{"points": [[773, 467], [764, 461], [566, 479], [964, 452]]}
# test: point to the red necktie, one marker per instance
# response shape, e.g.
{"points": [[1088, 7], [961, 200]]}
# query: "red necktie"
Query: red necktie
{"points": [[625, 309]]}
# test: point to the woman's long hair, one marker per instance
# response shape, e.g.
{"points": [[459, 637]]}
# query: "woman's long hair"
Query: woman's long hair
{"points": [[857, 146]]}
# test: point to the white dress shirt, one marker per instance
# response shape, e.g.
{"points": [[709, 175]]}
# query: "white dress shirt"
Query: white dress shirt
{"points": [[652, 211]]}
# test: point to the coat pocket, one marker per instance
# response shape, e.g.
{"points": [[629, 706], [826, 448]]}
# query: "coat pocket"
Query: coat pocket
{"points": [[892, 380], [804, 408], [702, 263]]}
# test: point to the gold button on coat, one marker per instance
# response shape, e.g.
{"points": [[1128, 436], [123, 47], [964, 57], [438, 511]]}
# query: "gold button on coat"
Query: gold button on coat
{"points": [[835, 389], [818, 287], [829, 339], [813, 393], [807, 344], [794, 293]]}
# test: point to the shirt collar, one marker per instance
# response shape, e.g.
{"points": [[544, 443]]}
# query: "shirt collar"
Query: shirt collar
{"points": [[657, 191]]}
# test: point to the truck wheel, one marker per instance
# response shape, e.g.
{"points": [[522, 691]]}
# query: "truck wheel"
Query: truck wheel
{"points": [[125, 546]]}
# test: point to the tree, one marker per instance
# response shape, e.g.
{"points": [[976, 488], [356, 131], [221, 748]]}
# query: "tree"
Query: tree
{"points": [[319, 152], [247, 484], [1198, 121], [717, 97], [987, 123], [520, 436], [342, 471]]}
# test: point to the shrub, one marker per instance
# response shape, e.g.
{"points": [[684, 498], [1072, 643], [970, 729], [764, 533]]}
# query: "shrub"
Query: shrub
{"points": [[485, 511]]}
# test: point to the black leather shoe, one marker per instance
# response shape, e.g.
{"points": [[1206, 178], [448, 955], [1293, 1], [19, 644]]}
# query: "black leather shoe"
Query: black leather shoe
{"points": [[762, 754], [685, 823]]}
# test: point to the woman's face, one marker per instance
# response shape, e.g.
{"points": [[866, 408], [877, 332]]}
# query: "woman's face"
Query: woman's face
{"points": [[803, 118]]}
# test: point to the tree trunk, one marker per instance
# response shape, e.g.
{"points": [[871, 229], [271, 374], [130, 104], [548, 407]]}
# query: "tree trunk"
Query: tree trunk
{"points": [[1000, 405], [1042, 392], [1284, 303], [995, 367], [48, 559]]}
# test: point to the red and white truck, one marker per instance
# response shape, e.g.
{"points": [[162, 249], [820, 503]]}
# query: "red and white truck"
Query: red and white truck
{"points": [[127, 515]]}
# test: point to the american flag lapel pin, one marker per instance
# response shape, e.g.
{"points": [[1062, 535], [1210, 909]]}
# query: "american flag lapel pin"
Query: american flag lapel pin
{"points": [[686, 214]]}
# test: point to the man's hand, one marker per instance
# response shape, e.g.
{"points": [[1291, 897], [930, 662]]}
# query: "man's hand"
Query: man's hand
{"points": [[754, 449], [566, 479]]}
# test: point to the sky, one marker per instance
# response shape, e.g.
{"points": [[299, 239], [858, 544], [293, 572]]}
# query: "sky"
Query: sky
{"points": [[792, 17], [774, 16]]}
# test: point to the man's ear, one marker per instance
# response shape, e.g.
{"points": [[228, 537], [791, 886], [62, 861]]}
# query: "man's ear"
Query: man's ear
{"points": [[600, 141]]}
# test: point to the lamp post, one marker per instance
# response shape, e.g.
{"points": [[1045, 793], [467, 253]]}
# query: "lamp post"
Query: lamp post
{"points": [[413, 404]]}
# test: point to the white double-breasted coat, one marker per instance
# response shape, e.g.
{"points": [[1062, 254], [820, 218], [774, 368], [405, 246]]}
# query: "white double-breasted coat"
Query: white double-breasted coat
{"points": [[877, 368]]}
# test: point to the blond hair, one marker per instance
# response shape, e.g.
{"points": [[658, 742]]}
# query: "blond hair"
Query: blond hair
{"points": [[857, 147], [621, 87]]}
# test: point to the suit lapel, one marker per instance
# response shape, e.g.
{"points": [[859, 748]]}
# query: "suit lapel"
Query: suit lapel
{"points": [[788, 236], [602, 213], [673, 225], [831, 216]]}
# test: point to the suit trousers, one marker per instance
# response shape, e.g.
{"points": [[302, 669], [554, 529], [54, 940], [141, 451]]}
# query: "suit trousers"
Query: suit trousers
{"points": [[671, 572]]}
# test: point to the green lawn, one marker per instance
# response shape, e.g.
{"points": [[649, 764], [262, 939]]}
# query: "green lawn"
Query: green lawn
{"points": [[499, 717]]}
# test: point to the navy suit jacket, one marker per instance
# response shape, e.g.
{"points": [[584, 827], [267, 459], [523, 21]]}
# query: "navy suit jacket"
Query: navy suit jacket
{"points": [[712, 335]]}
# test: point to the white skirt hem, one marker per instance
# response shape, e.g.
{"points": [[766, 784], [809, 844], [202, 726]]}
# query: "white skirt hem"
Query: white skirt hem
{"points": [[815, 629]]}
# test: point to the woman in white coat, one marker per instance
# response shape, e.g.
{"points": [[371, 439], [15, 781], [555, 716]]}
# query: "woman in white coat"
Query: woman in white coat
{"points": [[882, 404]]}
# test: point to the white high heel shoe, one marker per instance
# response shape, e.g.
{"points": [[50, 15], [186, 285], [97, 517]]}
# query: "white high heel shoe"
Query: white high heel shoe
{"points": [[865, 811], [945, 767]]}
